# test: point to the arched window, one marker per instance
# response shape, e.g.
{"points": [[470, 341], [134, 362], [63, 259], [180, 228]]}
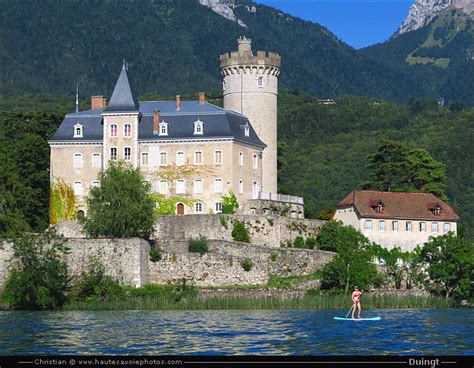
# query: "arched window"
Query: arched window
{"points": [[163, 187], [218, 185], [78, 188], [80, 214], [78, 130], [163, 128], [127, 130], [434, 227], [198, 127], [77, 160]]}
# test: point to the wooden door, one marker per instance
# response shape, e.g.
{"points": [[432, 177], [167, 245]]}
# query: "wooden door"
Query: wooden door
{"points": [[180, 209]]}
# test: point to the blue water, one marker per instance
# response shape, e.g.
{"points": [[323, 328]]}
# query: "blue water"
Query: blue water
{"points": [[264, 332]]}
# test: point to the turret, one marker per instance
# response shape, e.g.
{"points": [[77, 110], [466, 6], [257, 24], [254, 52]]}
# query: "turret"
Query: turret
{"points": [[251, 88]]}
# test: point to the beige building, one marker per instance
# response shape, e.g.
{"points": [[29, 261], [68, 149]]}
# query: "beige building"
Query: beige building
{"points": [[190, 149], [397, 219]]}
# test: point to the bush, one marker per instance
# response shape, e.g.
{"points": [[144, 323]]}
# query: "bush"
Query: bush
{"points": [[223, 221], [39, 279], [273, 257], [310, 242], [229, 203], [299, 242], [240, 233], [121, 206], [247, 264], [94, 285], [155, 255], [198, 245]]}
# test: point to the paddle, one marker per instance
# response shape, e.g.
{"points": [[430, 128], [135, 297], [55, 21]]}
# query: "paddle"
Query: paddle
{"points": [[363, 291]]}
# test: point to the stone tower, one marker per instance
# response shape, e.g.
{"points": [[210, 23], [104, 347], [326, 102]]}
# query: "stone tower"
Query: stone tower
{"points": [[251, 87]]}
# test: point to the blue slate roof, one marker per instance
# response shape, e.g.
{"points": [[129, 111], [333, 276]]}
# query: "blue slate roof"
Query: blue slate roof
{"points": [[123, 99], [218, 123]]}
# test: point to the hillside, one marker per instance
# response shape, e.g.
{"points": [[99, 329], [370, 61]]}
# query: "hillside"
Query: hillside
{"points": [[443, 50], [172, 47]]}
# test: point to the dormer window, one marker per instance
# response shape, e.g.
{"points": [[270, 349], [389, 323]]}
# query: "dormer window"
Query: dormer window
{"points": [[246, 129], [198, 127], [78, 131], [163, 128], [437, 209], [377, 205]]}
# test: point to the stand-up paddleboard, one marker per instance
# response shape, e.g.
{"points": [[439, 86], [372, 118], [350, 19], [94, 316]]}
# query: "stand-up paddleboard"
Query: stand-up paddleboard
{"points": [[357, 319]]}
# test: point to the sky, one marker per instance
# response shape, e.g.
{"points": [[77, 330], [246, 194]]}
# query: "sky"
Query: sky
{"points": [[359, 23]]}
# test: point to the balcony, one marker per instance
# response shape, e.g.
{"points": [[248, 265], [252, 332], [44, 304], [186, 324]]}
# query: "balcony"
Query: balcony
{"points": [[279, 198]]}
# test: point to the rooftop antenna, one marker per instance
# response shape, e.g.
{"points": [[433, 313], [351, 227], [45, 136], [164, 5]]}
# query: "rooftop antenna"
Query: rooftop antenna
{"points": [[77, 97]]}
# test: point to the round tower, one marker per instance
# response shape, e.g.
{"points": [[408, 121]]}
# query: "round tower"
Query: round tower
{"points": [[251, 87]]}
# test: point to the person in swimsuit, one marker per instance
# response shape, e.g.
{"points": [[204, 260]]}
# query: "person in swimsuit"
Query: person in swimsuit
{"points": [[355, 299]]}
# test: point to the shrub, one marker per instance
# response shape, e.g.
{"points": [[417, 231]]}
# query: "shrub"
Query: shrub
{"points": [[223, 221], [273, 257], [229, 203], [198, 245], [95, 285], [270, 221], [39, 279], [240, 232], [155, 255], [246, 264], [121, 206], [299, 242], [310, 242]]}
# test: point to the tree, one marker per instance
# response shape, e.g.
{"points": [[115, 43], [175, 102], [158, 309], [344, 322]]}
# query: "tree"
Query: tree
{"points": [[240, 232], [393, 262], [397, 168], [38, 278], [229, 203], [353, 261], [449, 264], [121, 206]]}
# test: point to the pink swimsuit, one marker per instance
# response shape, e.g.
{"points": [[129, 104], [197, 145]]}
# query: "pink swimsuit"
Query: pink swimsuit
{"points": [[356, 296]]}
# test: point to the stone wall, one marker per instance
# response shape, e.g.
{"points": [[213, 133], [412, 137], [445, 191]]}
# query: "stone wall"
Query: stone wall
{"points": [[222, 265], [128, 262], [266, 231]]}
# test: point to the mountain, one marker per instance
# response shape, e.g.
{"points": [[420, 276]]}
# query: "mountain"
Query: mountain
{"points": [[173, 47], [442, 51], [423, 11]]}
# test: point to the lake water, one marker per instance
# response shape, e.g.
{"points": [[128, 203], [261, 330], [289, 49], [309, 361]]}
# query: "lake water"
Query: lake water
{"points": [[264, 332]]}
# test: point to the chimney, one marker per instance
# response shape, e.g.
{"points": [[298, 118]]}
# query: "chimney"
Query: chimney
{"points": [[202, 98], [156, 121], [97, 102], [178, 102]]}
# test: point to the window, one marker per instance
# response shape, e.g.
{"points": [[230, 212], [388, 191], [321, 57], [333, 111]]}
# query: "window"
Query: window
{"points": [[368, 225], [198, 207], [218, 157], [163, 128], [78, 160], [78, 131], [217, 185], [218, 207], [180, 186], [113, 153], [198, 187], [198, 158], [95, 184], [422, 226], [127, 130], [255, 190], [163, 158], [179, 158], [434, 227], [408, 226], [127, 153], [246, 130], [163, 187], [382, 225], [223, 85], [446, 228], [78, 188], [241, 158], [255, 162], [260, 81], [96, 160], [198, 127], [113, 130], [241, 186], [394, 225], [144, 159]]}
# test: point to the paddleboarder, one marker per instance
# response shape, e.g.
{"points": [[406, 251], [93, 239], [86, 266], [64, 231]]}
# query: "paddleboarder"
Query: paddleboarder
{"points": [[355, 299]]}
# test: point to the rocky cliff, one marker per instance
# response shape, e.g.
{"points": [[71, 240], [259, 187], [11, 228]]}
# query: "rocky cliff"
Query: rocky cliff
{"points": [[423, 11]]}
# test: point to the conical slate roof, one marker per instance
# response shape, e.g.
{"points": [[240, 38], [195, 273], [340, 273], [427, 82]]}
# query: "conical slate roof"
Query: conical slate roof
{"points": [[122, 99]]}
